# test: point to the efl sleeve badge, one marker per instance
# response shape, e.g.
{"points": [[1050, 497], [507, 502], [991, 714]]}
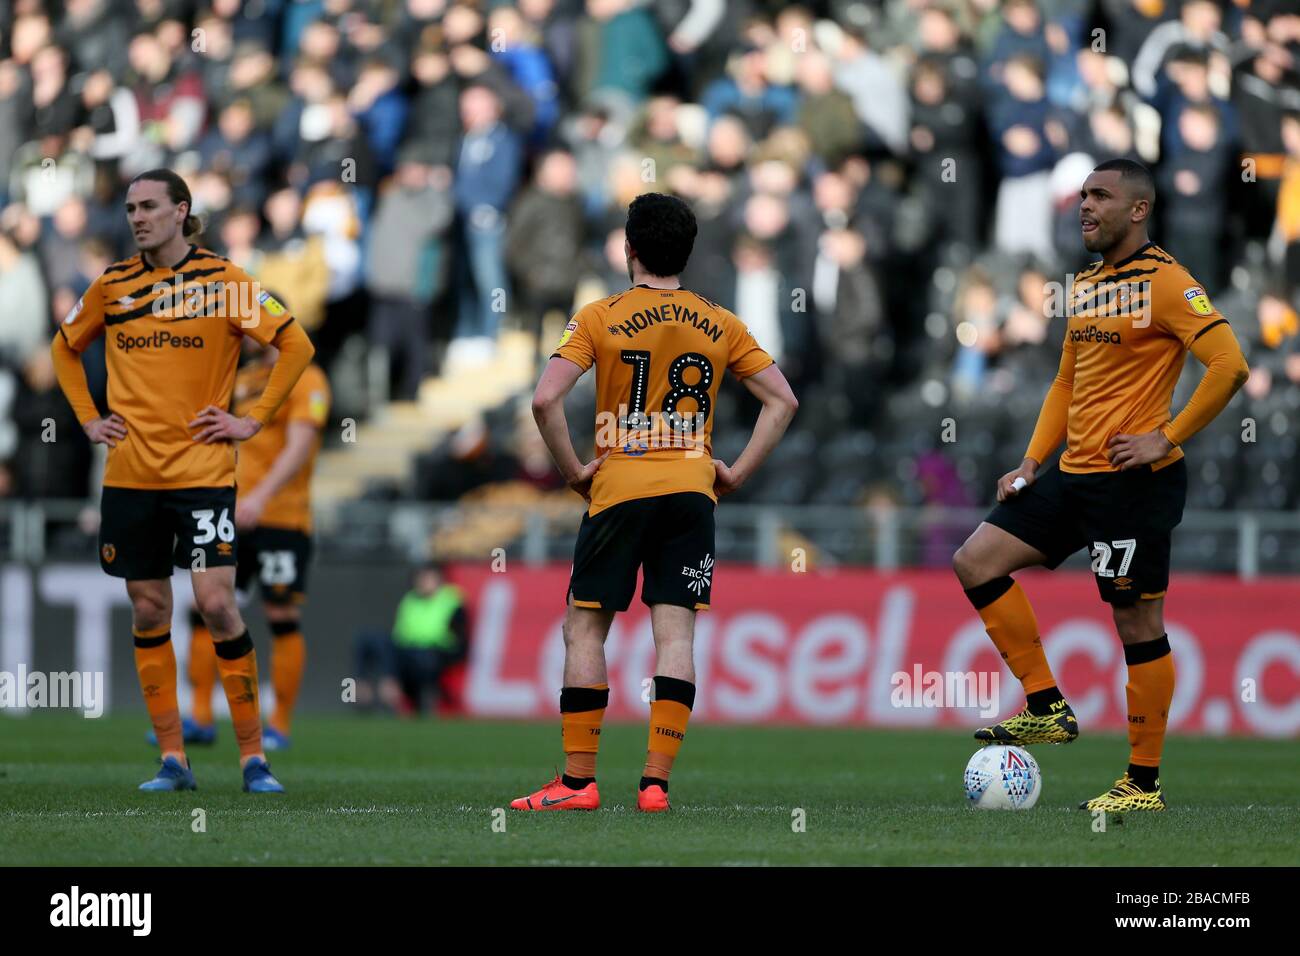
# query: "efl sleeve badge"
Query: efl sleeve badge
{"points": [[1199, 301]]}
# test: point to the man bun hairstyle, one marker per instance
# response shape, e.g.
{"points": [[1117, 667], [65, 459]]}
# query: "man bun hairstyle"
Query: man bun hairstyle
{"points": [[661, 231], [178, 193]]}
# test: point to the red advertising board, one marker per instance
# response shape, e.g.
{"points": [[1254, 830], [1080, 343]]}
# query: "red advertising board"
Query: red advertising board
{"points": [[861, 648]]}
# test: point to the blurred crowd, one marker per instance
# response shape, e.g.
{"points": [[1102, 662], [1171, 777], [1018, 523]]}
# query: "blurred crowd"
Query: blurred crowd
{"points": [[886, 191]]}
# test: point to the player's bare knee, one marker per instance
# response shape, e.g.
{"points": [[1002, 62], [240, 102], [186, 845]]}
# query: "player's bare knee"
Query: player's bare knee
{"points": [[968, 567], [149, 612], [577, 636], [673, 641], [283, 613], [219, 611], [1138, 622]]}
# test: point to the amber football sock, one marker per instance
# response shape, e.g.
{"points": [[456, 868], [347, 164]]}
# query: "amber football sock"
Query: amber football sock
{"points": [[1010, 622], [288, 660], [581, 711], [237, 664], [669, 713], [203, 670], [155, 663], [1150, 689]]}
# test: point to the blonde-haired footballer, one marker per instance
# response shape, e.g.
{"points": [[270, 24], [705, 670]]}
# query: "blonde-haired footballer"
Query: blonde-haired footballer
{"points": [[660, 352], [174, 317], [1120, 485]]}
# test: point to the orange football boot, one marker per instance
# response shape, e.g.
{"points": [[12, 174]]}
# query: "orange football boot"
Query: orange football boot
{"points": [[653, 799], [556, 796]]}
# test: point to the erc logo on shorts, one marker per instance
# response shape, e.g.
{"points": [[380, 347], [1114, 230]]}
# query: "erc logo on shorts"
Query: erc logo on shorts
{"points": [[701, 577], [109, 552]]}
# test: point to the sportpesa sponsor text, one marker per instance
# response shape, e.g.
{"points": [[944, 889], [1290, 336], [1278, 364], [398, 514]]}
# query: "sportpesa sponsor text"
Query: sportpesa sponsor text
{"points": [[159, 339], [1094, 334]]}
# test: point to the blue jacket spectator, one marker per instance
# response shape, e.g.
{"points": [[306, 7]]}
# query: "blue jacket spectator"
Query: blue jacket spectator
{"points": [[488, 169], [381, 110], [515, 46]]}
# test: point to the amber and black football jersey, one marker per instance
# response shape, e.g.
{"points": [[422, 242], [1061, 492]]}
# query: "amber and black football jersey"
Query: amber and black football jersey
{"points": [[308, 402], [1130, 327], [173, 342], [660, 355]]}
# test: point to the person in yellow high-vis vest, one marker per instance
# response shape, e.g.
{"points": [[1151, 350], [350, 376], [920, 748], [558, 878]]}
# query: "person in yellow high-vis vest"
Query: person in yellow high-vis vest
{"points": [[430, 633]]}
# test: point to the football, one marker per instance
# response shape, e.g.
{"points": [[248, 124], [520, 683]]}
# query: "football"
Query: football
{"points": [[1002, 778]]}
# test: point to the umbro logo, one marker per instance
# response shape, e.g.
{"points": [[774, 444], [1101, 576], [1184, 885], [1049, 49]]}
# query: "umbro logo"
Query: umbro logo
{"points": [[126, 300]]}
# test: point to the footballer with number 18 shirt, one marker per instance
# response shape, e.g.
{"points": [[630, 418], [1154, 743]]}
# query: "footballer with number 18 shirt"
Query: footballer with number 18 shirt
{"points": [[174, 317], [1119, 487], [660, 352]]}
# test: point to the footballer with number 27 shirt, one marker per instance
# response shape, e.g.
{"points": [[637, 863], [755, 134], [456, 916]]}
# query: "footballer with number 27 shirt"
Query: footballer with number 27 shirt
{"points": [[1120, 484]]}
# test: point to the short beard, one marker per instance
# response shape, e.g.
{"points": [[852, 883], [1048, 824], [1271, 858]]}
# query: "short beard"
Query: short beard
{"points": [[1098, 243]]}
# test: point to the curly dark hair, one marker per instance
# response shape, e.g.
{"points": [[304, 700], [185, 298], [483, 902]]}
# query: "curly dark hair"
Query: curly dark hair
{"points": [[661, 231]]}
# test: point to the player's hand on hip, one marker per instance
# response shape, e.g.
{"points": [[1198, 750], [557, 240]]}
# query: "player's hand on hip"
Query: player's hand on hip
{"points": [[217, 425], [1134, 451], [725, 480], [1013, 482], [108, 430], [581, 482]]}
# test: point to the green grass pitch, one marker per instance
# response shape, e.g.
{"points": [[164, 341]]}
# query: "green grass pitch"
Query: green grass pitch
{"points": [[380, 791]]}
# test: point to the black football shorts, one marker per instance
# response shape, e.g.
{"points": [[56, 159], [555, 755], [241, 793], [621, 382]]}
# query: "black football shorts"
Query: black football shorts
{"points": [[1124, 518], [669, 537], [278, 558], [143, 532]]}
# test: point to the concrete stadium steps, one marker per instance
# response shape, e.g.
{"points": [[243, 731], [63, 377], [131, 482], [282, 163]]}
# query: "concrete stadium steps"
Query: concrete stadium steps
{"points": [[389, 441]]}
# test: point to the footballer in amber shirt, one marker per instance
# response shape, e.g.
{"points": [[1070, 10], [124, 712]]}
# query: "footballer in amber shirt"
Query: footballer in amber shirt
{"points": [[1130, 328], [173, 348], [660, 355], [309, 402]]}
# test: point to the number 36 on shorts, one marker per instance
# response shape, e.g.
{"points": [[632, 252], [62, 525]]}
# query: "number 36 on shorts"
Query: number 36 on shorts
{"points": [[224, 529]]}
